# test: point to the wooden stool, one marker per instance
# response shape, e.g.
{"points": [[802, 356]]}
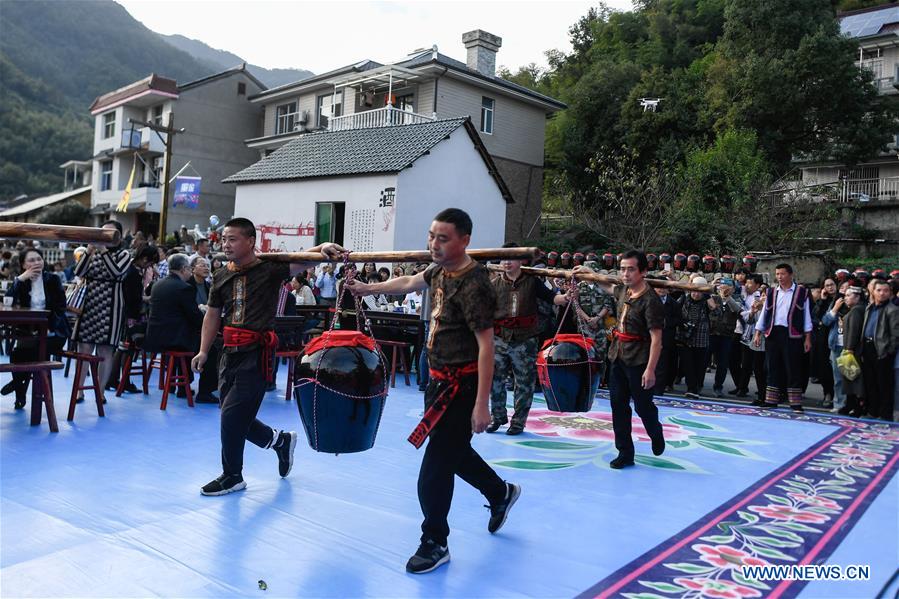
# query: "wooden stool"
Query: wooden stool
{"points": [[291, 356], [159, 364], [182, 359], [397, 345], [41, 389], [127, 372], [93, 363]]}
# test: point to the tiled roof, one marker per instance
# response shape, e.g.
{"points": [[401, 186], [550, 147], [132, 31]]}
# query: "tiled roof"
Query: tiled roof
{"points": [[361, 151], [868, 22], [444, 60], [349, 152]]}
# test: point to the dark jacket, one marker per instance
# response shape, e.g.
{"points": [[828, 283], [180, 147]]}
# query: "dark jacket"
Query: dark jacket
{"points": [[56, 301], [194, 285], [175, 320], [886, 333], [852, 341], [672, 309]]}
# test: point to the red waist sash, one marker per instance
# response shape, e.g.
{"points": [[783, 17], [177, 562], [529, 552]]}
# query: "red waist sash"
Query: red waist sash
{"points": [[452, 376], [514, 322], [627, 337], [237, 337]]}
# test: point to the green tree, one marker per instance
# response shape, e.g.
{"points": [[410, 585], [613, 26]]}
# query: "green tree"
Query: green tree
{"points": [[784, 71], [70, 212]]}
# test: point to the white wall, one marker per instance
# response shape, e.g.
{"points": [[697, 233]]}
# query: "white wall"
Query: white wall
{"points": [[453, 175], [291, 206]]}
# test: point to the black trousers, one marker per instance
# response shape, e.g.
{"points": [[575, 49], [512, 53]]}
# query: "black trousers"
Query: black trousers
{"points": [[752, 363], [693, 362], [242, 387], [209, 378], [720, 347], [624, 384], [666, 370], [27, 350], [787, 367], [877, 377], [449, 453]]}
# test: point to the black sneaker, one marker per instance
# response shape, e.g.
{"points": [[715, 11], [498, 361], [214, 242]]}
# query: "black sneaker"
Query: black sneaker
{"points": [[515, 428], [759, 403], [658, 445], [494, 425], [621, 462], [429, 557], [287, 443], [224, 484], [499, 512], [797, 409]]}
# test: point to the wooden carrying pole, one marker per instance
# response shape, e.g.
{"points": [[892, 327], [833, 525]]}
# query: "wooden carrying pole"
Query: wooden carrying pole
{"points": [[94, 235], [403, 256], [558, 273]]}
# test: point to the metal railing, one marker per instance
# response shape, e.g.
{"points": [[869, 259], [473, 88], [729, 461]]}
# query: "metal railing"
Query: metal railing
{"points": [[868, 190], [379, 117]]}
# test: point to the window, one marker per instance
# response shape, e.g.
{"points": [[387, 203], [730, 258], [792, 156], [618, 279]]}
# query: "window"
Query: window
{"points": [[241, 88], [109, 125], [325, 108], [329, 222], [285, 118], [405, 103], [156, 116], [106, 175], [487, 105]]}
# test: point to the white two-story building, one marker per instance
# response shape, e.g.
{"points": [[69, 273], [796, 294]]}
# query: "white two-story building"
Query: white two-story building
{"points": [[426, 86]]}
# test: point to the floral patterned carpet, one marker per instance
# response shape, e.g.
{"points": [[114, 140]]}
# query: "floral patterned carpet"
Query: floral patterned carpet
{"points": [[111, 507]]}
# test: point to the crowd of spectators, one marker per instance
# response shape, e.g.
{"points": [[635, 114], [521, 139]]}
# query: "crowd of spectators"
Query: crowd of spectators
{"points": [[144, 296]]}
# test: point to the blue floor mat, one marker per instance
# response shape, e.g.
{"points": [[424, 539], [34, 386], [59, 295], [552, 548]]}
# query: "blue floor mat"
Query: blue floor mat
{"points": [[111, 506]]}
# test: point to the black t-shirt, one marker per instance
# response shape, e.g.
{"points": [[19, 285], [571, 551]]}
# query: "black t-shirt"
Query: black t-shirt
{"points": [[462, 302], [248, 297]]}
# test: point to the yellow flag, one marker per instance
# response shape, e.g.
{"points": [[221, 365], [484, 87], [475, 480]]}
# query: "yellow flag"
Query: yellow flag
{"points": [[126, 197]]}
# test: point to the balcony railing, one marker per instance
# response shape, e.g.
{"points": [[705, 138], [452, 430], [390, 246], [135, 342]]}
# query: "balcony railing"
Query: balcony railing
{"points": [[379, 117], [869, 190]]}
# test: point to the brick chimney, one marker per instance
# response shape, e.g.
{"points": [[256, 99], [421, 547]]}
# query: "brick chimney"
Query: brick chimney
{"points": [[482, 47]]}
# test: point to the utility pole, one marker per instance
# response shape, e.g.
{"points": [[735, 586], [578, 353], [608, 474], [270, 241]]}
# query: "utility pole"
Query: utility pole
{"points": [[167, 141]]}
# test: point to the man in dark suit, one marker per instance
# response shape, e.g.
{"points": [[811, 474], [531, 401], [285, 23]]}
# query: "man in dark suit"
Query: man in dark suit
{"points": [[175, 318], [666, 370]]}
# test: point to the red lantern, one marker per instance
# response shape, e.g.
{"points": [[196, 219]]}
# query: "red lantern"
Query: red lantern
{"points": [[578, 258], [591, 257], [652, 261], [664, 258], [709, 264], [879, 273], [680, 261], [565, 260]]}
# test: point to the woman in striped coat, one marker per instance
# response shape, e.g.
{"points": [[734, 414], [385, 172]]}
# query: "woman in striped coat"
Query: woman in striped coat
{"points": [[102, 320]]}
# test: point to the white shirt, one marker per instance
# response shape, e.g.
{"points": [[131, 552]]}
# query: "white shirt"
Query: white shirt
{"points": [[783, 298], [38, 297]]}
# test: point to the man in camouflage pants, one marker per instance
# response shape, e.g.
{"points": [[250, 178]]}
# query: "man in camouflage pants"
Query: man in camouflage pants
{"points": [[515, 336]]}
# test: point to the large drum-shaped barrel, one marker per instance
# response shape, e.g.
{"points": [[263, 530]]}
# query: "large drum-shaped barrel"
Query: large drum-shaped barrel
{"points": [[569, 373], [340, 391]]}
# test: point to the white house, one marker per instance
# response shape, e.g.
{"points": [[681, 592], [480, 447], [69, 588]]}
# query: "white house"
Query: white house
{"points": [[373, 188]]}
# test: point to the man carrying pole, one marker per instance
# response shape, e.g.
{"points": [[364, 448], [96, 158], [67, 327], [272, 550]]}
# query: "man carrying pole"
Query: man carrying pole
{"points": [[245, 295], [460, 352], [634, 355], [516, 330]]}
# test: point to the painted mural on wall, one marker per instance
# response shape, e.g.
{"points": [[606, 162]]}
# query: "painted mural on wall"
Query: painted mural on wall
{"points": [[278, 237]]}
